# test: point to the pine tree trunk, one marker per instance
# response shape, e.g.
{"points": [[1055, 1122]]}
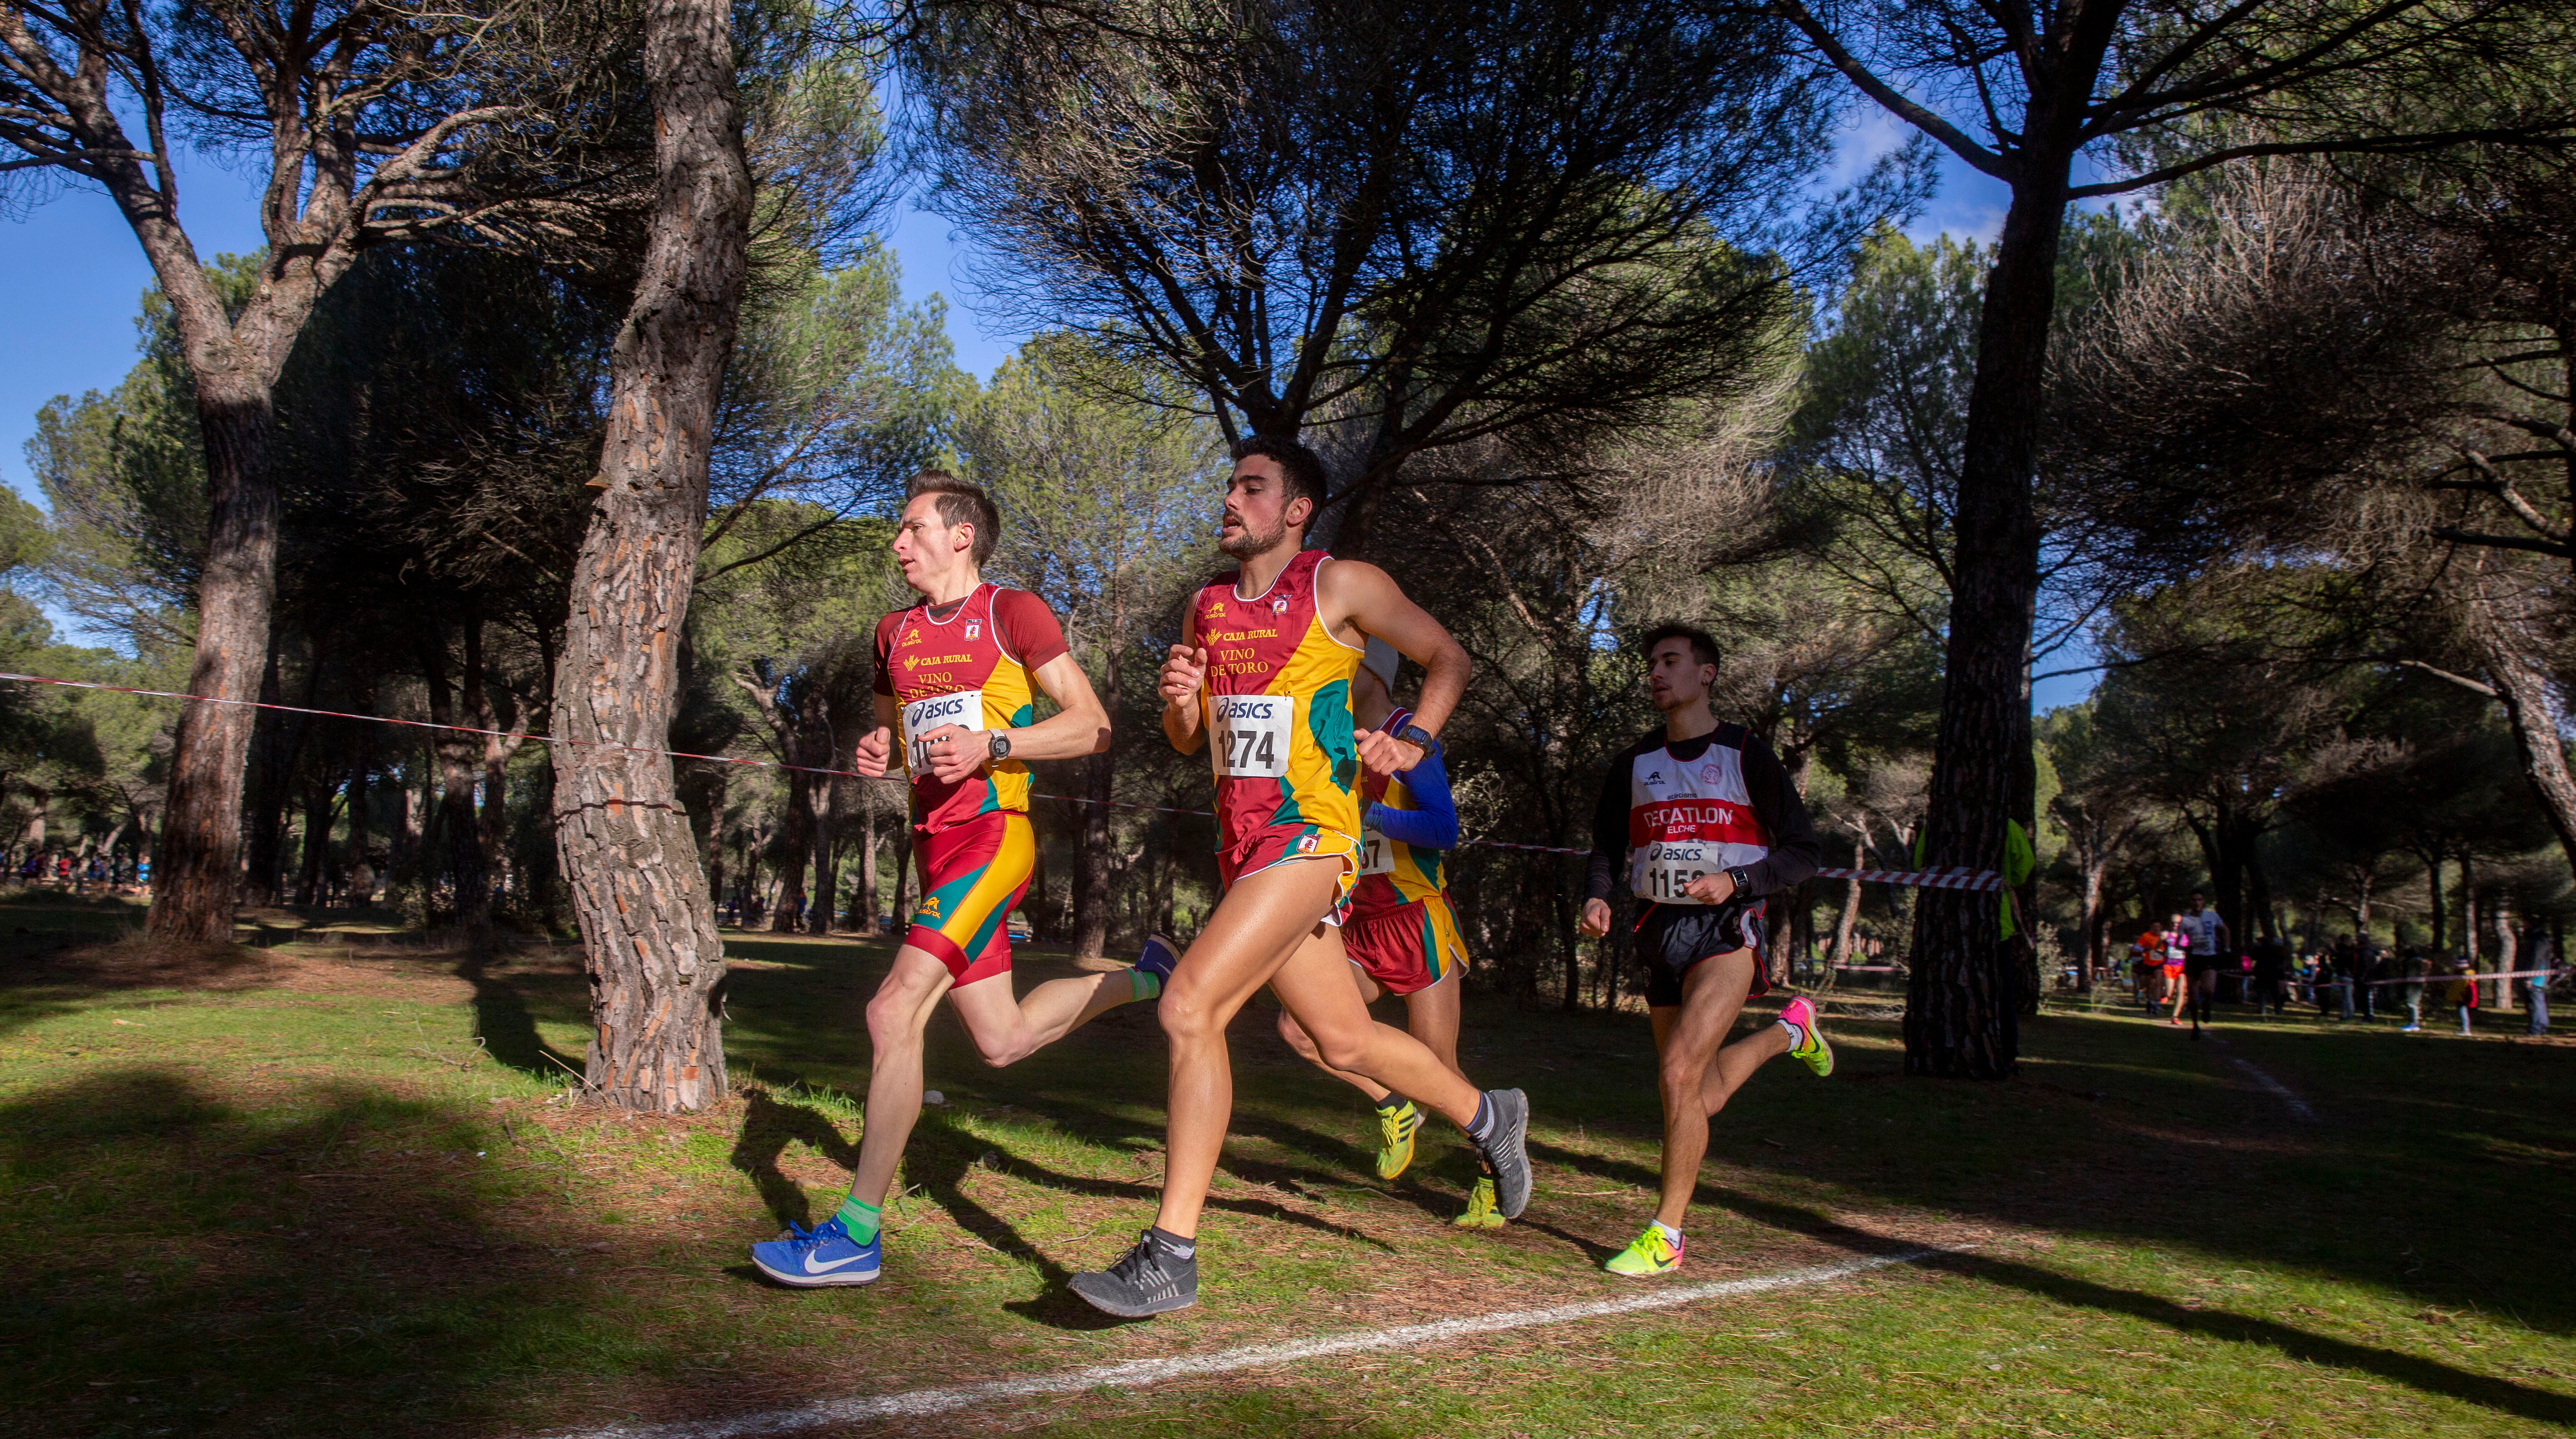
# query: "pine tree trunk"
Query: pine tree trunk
{"points": [[1091, 869], [2532, 706], [1963, 1000], [196, 867], [863, 905], [655, 963]]}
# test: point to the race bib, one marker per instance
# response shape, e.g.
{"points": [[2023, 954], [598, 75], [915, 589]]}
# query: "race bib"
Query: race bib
{"points": [[1661, 871], [1248, 735], [964, 707], [1377, 853]]}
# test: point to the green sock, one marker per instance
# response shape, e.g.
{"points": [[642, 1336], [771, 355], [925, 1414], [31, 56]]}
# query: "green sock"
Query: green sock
{"points": [[1143, 985], [862, 1220]]}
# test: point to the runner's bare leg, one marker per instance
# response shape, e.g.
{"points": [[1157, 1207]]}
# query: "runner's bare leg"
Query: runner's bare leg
{"points": [[1430, 1015], [896, 1018], [1008, 1030], [1262, 934], [1686, 1049], [1003, 1030]]}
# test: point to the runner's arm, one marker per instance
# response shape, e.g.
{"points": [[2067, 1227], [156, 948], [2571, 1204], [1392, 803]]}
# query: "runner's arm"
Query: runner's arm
{"points": [[1078, 727], [1433, 823], [1365, 598], [1609, 831], [1794, 851], [1184, 676]]}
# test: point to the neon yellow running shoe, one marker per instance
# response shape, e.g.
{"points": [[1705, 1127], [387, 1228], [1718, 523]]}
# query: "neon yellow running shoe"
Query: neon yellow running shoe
{"points": [[1395, 1138], [1650, 1253], [1481, 1213], [1819, 1056]]}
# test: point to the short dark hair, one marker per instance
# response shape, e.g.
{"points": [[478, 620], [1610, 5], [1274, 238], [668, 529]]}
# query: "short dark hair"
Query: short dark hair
{"points": [[1703, 648], [961, 503], [1299, 468]]}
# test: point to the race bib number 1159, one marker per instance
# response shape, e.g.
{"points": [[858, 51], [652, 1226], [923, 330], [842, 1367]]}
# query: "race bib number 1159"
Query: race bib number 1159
{"points": [[1248, 735], [1664, 871]]}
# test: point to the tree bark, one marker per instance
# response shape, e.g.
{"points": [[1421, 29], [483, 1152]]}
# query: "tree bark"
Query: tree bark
{"points": [[649, 941], [265, 791], [2531, 705], [1091, 870], [1962, 1018], [458, 757], [863, 902]]}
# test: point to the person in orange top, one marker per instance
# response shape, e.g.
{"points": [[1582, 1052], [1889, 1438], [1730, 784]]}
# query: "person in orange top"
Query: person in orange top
{"points": [[959, 673]]}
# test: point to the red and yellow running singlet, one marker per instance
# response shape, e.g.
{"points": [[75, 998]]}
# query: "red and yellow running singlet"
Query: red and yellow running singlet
{"points": [[1393, 874], [1277, 702], [970, 668]]}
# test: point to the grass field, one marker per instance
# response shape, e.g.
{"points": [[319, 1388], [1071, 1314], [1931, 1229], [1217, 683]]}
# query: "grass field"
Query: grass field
{"points": [[337, 1188]]}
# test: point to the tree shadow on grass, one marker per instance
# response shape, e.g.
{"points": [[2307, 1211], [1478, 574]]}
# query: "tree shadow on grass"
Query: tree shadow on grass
{"points": [[507, 1028], [182, 1262]]}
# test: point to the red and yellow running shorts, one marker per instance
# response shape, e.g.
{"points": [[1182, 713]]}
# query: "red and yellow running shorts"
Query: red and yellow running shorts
{"points": [[972, 877], [1287, 844], [1410, 947]]}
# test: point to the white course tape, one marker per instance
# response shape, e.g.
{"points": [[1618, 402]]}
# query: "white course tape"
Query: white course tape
{"points": [[921, 1403]]}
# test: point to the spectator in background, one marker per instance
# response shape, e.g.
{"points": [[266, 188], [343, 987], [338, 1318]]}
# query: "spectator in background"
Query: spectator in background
{"points": [[2374, 966], [2539, 952], [2271, 975], [2347, 966], [2417, 970], [2461, 993]]}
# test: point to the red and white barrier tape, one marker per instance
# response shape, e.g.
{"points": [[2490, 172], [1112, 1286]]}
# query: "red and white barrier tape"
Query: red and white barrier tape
{"points": [[1928, 879]]}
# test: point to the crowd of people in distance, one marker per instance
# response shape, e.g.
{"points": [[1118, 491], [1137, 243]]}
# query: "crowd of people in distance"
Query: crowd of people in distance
{"points": [[98, 872], [2181, 969]]}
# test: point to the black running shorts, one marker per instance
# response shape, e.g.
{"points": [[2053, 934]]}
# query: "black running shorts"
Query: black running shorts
{"points": [[1673, 937]]}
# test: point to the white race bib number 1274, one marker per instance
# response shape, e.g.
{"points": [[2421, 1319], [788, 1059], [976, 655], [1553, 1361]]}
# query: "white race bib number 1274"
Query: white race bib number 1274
{"points": [[1248, 735], [964, 707], [1663, 871]]}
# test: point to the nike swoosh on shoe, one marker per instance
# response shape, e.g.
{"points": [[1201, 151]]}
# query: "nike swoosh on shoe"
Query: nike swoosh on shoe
{"points": [[813, 1268]]}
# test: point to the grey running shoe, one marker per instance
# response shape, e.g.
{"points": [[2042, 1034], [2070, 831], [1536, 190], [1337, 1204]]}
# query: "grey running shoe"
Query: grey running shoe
{"points": [[1506, 1151], [1150, 1280]]}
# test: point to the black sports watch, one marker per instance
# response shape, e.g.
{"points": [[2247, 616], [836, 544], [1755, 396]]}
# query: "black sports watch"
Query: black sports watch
{"points": [[1414, 734], [1742, 879], [1001, 744]]}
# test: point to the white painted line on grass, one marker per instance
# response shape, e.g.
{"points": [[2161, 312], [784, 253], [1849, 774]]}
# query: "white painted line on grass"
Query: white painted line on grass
{"points": [[2289, 1098], [920, 1403]]}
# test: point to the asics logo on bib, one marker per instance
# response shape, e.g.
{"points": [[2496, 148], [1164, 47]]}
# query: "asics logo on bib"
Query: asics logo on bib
{"points": [[960, 707]]}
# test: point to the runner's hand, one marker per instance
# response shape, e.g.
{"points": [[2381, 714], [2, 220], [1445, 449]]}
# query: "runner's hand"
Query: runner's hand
{"points": [[874, 748], [955, 752], [1596, 918], [1384, 754], [1183, 674], [1711, 888]]}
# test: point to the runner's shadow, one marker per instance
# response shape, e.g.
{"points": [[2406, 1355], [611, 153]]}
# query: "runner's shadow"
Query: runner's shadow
{"points": [[768, 1127]]}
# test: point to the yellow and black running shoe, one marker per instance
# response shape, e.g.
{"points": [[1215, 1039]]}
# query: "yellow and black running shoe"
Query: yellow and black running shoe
{"points": [[1395, 1138]]}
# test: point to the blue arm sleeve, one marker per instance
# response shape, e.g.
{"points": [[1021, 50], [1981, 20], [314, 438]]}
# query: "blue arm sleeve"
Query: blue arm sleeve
{"points": [[1432, 826]]}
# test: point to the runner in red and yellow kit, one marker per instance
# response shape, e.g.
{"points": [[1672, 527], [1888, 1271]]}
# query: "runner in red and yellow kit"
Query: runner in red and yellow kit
{"points": [[1262, 680], [958, 674], [1402, 935]]}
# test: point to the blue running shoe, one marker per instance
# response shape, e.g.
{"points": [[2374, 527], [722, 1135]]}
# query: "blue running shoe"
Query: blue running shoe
{"points": [[817, 1257], [1158, 958]]}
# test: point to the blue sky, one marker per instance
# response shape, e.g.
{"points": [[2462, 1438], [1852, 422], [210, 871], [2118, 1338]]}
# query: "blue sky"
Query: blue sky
{"points": [[70, 324]]}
